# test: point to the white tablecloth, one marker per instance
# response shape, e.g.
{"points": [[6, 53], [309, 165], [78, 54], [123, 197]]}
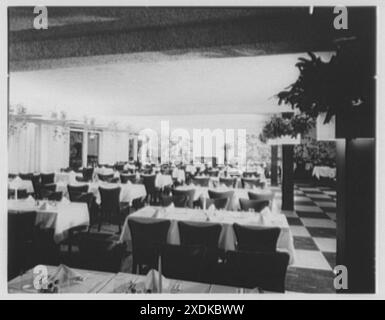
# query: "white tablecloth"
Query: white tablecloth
{"points": [[129, 191], [179, 175], [17, 184], [61, 217], [227, 237], [67, 177], [324, 171], [238, 194], [163, 180]]}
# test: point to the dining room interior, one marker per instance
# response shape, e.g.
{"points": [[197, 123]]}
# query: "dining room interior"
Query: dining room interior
{"points": [[191, 150]]}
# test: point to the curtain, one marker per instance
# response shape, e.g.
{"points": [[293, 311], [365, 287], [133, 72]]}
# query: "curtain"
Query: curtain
{"points": [[38, 148]]}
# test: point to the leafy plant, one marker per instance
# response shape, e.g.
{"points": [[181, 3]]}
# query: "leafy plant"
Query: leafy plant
{"points": [[330, 87]]}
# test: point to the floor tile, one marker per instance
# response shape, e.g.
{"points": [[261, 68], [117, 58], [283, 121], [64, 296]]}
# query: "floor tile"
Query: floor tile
{"points": [[317, 215], [308, 208], [322, 232], [331, 258], [305, 243], [326, 244], [289, 213], [329, 209], [299, 231], [311, 259], [294, 221], [326, 204], [332, 215], [319, 223]]}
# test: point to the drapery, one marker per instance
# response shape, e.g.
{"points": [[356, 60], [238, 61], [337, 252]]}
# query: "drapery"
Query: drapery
{"points": [[38, 147]]}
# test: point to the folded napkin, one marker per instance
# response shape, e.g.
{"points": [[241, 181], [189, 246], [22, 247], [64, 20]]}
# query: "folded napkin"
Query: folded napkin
{"points": [[65, 275], [266, 216], [211, 208], [17, 180], [44, 206], [155, 282], [30, 199], [64, 200]]}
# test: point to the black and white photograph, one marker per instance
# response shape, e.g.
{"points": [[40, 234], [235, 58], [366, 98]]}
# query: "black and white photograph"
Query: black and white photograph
{"points": [[185, 151]]}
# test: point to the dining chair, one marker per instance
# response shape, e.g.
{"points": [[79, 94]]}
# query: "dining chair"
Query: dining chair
{"points": [[228, 182], [87, 174], [55, 196], [261, 196], [26, 176], [266, 271], [151, 190], [46, 190], [100, 252], [222, 195], [200, 234], [147, 241], [250, 174], [219, 204], [182, 262], [21, 194], [179, 201], [12, 176], [250, 183], [21, 237], [255, 238], [105, 177], [189, 194], [124, 178], [254, 205], [213, 173], [47, 178], [111, 210], [201, 181], [75, 191]]}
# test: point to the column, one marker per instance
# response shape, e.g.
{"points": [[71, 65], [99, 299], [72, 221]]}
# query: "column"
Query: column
{"points": [[287, 177], [274, 166]]}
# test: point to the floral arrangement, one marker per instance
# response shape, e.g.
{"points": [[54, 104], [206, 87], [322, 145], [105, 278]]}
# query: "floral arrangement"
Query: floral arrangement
{"points": [[17, 119]]}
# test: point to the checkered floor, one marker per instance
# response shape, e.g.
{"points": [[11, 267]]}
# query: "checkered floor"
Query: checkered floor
{"points": [[313, 225]]}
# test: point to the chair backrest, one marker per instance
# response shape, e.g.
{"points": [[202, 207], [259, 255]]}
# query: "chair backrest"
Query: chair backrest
{"points": [[220, 204], [261, 196], [149, 183], [249, 183], [46, 190], [74, 191], [266, 271], [228, 182], [222, 195], [250, 174], [254, 205], [26, 176], [47, 178], [257, 239], [147, 240], [203, 182], [110, 201], [189, 194], [179, 201], [99, 252], [183, 262], [105, 177], [21, 193], [213, 173], [192, 234], [55, 196], [90, 200], [124, 178], [87, 173], [21, 235]]}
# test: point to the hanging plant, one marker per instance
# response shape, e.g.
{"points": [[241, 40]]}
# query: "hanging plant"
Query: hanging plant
{"points": [[330, 87]]}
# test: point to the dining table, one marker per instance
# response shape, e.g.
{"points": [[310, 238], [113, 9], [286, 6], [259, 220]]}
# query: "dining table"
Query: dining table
{"points": [[99, 282], [19, 184], [227, 238], [60, 216]]}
